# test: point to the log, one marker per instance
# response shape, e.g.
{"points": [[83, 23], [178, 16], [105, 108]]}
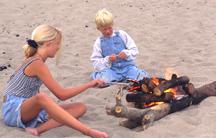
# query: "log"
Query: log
{"points": [[146, 117], [126, 112], [157, 112], [145, 85], [203, 92], [144, 98], [136, 117], [159, 90], [157, 86], [180, 104]]}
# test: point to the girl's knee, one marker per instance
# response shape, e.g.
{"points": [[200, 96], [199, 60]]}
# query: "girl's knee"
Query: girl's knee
{"points": [[82, 107], [42, 97]]}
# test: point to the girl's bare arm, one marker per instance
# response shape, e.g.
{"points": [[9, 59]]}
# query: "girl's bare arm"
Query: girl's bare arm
{"points": [[39, 69]]}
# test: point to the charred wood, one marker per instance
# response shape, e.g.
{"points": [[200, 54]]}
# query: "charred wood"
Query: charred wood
{"points": [[159, 90], [148, 98]]}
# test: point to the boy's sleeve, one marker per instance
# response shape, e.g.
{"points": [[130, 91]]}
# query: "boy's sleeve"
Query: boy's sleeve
{"points": [[131, 49], [99, 62]]}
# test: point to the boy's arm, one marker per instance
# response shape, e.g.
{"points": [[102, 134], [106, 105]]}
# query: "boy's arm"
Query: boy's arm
{"points": [[99, 62], [131, 49]]}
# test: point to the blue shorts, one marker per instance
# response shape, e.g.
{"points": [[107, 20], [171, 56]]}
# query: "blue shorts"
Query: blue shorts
{"points": [[12, 115]]}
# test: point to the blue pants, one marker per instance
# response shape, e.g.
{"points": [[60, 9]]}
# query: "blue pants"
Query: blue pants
{"points": [[12, 116], [118, 75]]}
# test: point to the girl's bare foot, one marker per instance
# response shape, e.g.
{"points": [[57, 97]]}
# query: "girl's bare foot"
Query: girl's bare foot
{"points": [[32, 131], [97, 134]]}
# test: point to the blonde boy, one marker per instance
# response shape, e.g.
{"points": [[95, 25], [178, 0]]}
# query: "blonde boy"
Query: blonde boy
{"points": [[114, 52]]}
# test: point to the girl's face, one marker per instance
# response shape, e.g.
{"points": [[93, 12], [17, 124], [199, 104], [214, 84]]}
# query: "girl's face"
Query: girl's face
{"points": [[106, 31], [54, 46]]}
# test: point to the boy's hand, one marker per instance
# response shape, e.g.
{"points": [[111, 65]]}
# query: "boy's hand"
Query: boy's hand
{"points": [[122, 55], [112, 58]]}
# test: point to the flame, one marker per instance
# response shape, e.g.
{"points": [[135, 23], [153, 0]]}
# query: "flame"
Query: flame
{"points": [[155, 81], [169, 72], [168, 75], [152, 104], [172, 90]]}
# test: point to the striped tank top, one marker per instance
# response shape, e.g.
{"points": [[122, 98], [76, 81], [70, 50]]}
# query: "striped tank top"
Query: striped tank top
{"points": [[22, 85]]}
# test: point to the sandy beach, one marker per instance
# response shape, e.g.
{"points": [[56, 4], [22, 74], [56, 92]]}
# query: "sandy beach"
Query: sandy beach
{"points": [[169, 34]]}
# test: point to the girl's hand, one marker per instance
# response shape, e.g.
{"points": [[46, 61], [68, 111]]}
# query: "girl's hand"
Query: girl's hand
{"points": [[98, 83]]}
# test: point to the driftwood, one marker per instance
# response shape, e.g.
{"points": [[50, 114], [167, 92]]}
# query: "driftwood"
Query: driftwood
{"points": [[136, 117], [145, 117]]}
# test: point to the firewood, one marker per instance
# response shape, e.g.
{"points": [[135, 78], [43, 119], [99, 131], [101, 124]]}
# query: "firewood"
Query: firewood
{"points": [[129, 113], [145, 117], [157, 112], [144, 98], [130, 123], [203, 92], [136, 117], [159, 90]]}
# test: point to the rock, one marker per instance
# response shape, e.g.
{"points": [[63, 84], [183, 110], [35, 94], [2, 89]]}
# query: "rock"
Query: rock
{"points": [[2, 68]]}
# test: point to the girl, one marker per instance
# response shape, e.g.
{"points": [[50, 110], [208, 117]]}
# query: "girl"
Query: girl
{"points": [[25, 107]]}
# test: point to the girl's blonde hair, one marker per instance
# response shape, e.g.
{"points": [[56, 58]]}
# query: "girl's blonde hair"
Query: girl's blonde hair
{"points": [[41, 34], [103, 18]]}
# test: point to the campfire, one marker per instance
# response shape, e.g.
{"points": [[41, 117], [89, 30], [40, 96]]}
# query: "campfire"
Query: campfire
{"points": [[152, 98], [152, 91]]}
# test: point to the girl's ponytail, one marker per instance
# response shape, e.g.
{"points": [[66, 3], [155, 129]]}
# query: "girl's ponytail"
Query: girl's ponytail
{"points": [[29, 51], [41, 34]]}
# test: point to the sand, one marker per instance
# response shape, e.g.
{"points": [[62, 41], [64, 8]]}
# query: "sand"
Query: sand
{"points": [[169, 34]]}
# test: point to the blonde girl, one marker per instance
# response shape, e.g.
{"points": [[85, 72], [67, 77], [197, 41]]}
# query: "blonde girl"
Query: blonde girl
{"points": [[24, 106]]}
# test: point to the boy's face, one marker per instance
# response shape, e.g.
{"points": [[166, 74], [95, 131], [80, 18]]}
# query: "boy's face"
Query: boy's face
{"points": [[106, 31]]}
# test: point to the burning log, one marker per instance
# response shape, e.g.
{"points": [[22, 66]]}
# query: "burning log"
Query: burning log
{"points": [[146, 85], [148, 98], [159, 90], [155, 89], [157, 86]]}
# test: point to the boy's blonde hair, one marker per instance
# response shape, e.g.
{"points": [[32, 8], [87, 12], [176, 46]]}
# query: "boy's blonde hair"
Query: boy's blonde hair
{"points": [[103, 18], [41, 34]]}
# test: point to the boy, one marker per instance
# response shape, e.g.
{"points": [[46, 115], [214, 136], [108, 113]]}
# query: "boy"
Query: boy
{"points": [[114, 52]]}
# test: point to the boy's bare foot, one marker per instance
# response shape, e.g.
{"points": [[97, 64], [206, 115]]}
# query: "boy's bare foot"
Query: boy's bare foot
{"points": [[97, 134], [32, 131]]}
